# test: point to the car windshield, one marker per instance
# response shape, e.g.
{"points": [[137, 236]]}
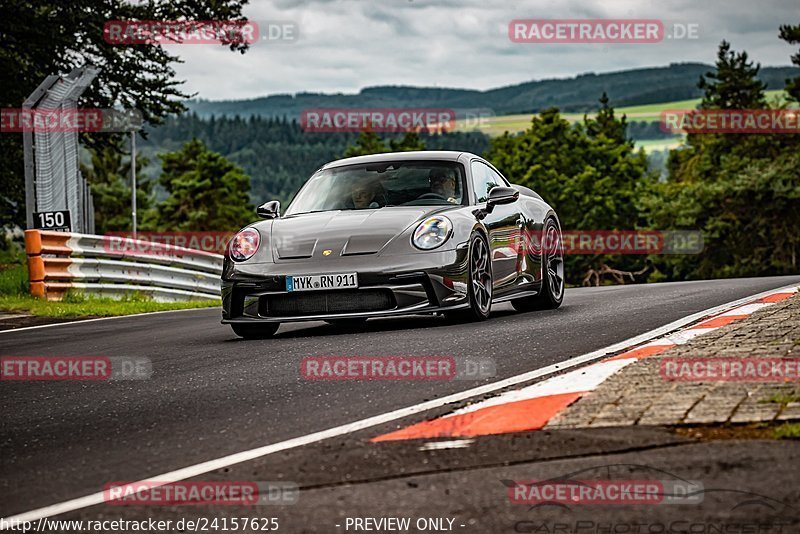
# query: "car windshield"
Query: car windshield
{"points": [[381, 185]]}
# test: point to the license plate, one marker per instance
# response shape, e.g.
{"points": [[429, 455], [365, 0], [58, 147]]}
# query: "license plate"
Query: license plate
{"points": [[321, 282]]}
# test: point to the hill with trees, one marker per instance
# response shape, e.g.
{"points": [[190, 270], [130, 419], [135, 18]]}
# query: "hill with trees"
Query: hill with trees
{"points": [[677, 81]]}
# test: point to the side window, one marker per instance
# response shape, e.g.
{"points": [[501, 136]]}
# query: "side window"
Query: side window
{"points": [[483, 180], [498, 179]]}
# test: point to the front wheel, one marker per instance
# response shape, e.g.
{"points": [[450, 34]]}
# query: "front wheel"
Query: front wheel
{"points": [[552, 293], [255, 331], [479, 288]]}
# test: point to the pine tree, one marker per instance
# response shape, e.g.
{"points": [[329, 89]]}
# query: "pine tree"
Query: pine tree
{"points": [[206, 192], [368, 142], [411, 141], [741, 191], [734, 84], [791, 34], [605, 123]]}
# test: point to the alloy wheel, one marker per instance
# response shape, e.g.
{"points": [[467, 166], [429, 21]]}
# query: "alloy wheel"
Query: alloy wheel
{"points": [[481, 275]]}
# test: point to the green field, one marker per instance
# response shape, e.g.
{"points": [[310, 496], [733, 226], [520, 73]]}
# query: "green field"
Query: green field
{"points": [[650, 145], [494, 126]]}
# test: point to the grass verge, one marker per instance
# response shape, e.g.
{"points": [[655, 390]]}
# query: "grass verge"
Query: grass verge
{"points": [[14, 298], [740, 431], [77, 306], [788, 431]]}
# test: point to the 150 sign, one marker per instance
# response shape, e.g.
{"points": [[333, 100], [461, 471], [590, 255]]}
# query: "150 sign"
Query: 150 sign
{"points": [[52, 220]]}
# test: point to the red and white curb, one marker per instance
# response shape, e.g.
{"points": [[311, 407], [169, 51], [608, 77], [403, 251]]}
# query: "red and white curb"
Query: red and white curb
{"points": [[532, 407]]}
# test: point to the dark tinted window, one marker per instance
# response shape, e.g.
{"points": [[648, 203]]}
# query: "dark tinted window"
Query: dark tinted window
{"points": [[484, 179]]}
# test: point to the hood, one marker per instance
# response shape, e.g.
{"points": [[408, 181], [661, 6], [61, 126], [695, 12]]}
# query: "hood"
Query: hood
{"points": [[343, 233]]}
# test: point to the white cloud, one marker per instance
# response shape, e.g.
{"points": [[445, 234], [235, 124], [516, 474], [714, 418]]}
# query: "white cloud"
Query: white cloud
{"points": [[345, 45]]}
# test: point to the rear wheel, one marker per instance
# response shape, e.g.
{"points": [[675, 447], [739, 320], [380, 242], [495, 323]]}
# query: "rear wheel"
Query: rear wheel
{"points": [[255, 331], [552, 293]]}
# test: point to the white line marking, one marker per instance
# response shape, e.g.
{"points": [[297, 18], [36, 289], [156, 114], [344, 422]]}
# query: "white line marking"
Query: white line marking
{"points": [[452, 444], [227, 461], [747, 309], [81, 321], [684, 336], [578, 381], [663, 342]]}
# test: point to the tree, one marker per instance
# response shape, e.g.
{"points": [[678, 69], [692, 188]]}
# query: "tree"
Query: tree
{"points": [[791, 34], [589, 172], [206, 192], [606, 124], [411, 141], [47, 37], [734, 84], [740, 190], [748, 217], [109, 178], [368, 142], [275, 152]]}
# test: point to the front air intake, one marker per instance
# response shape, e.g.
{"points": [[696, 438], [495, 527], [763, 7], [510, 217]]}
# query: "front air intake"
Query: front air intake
{"points": [[326, 302]]}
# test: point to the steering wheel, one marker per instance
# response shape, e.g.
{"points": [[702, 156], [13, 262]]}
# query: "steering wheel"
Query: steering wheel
{"points": [[433, 196]]}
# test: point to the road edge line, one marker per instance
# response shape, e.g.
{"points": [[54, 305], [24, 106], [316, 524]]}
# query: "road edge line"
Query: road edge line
{"points": [[95, 319]]}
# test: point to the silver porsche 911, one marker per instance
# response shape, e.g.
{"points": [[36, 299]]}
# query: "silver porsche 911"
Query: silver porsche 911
{"points": [[393, 234]]}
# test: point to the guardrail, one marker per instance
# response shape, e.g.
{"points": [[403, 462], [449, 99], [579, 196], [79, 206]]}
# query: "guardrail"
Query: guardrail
{"points": [[112, 266]]}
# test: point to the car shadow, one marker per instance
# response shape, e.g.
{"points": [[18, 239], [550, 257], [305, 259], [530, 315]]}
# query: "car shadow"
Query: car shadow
{"points": [[388, 324]]}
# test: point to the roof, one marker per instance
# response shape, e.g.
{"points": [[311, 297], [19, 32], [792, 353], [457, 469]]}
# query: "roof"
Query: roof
{"points": [[443, 155]]}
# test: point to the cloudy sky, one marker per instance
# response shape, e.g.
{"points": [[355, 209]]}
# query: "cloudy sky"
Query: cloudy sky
{"points": [[345, 45]]}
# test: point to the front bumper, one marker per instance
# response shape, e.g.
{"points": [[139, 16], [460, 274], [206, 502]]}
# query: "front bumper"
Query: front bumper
{"points": [[423, 282]]}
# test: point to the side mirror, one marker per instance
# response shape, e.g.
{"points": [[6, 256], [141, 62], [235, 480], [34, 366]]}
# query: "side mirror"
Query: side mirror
{"points": [[269, 210], [501, 195]]}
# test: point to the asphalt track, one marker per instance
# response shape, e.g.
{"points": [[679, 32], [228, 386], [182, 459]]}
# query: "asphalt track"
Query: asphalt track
{"points": [[212, 394]]}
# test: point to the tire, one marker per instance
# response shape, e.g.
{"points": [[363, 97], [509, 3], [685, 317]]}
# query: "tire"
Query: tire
{"points": [[479, 281], [255, 331], [552, 293]]}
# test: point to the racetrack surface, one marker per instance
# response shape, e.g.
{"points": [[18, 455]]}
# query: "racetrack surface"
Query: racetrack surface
{"points": [[212, 394]]}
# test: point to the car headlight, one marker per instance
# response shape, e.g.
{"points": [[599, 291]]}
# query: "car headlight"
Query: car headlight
{"points": [[432, 232], [244, 244]]}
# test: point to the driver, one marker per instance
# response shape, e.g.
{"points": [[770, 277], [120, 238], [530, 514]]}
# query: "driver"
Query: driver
{"points": [[443, 183], [363, 195]]}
